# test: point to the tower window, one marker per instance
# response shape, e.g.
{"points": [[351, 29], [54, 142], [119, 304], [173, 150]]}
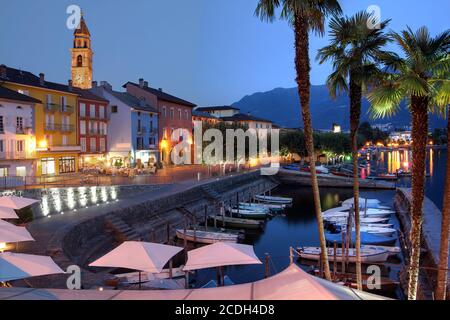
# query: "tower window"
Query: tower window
{"points": [[79, 61]]}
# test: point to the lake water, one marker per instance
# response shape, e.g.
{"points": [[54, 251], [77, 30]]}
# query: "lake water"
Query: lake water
{"points": [[298, 226]]}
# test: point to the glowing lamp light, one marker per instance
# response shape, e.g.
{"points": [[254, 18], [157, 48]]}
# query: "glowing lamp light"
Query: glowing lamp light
{"points": [[43, 144], [2, 246], [164, 144], [430, 143]]}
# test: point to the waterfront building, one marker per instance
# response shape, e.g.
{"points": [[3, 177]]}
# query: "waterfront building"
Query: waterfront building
{"points": [[219, 111], [17, 139], [204, 117], [55, 120], [174, 113], [82, 57], [93, 128], [232, 115], [133, 128], [398, 136]]}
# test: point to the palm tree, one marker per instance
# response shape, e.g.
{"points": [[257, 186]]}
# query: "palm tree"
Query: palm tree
{"points": [[441, 289], [355, 51], [305, 16], [418, 77]]}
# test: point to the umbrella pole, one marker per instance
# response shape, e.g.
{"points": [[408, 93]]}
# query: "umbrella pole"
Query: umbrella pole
{"points": [[139, 280], [186, 279]]}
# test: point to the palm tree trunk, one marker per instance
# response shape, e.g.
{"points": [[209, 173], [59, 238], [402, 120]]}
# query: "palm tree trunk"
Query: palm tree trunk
{"points": [[355, 113], [441, 290], [419, 107], [302, 66]]}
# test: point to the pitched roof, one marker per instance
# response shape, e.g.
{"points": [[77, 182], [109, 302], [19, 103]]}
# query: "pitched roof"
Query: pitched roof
{"points": [[29, 79], [9, 94], [88, 95], [82, 28], [197, 113], [216, 108], [244, 117], [133, 102], [162, 95]]}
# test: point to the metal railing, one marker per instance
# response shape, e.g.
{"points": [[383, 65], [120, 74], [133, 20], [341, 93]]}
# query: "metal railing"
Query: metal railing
{"points": [[67, 109], [67, 127], [17, 155]]}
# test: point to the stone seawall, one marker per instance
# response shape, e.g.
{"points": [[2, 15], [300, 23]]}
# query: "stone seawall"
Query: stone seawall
{"points": [[151, 220], [431, 230]]}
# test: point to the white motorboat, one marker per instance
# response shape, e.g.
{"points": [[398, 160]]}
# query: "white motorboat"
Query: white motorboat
{"points": [[276, 200], [371, 204], [343, 220], [249, 214], [387, 232], [206, 236], [393, 251], [368, 255], [272, 207], [369, 213], [253, 207]]}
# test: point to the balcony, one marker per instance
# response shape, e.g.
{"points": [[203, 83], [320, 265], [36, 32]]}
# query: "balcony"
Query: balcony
{"points": [[51, 127], [141, 130], [67, 109], [68, 147], [67, 128], [17, 155], [51, 107], [20, 130]]}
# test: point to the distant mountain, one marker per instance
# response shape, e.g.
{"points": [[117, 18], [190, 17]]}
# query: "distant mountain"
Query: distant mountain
{"points": [[282, 106]]}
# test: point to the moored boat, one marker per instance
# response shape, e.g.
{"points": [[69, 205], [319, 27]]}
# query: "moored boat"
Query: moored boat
{"points": [[366, 239], [369, 213], [271, 207], [206, 236], [343, 220], [231, 222], [367, 255], [276, 200], [249, 214]]}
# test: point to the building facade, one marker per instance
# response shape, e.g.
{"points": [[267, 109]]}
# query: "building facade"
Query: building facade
{"points": [[174, 113], [82, 57], [17, 139], [93, 121], [232, 115], [55, 120], [133, 137]]}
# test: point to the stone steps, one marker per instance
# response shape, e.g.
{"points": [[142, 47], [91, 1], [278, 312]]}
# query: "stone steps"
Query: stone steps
{"points": [[121, 230]]}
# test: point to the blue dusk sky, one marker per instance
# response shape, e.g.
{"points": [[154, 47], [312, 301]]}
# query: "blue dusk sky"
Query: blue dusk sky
{"points": [[211, 52]]}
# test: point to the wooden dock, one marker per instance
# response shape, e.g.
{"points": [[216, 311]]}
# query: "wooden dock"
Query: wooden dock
{"points": [[299, 178]]}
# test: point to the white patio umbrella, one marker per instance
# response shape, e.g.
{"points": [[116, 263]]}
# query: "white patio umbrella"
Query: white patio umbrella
{"points": [[16, 203], [12, 233], [221, 254], [141, 256], [15, 266], [8, 213]]}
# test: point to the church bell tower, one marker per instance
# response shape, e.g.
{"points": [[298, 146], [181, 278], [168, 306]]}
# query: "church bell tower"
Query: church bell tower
{"points": [[82, 57]]}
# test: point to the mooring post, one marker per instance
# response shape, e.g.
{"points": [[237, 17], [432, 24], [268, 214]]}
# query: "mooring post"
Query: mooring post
{"points": [[267, 271], [168, 232], [334, 260], [343, 252], [291, 256], [171, 269], [185, 241], [206, 217], [195, 228]]}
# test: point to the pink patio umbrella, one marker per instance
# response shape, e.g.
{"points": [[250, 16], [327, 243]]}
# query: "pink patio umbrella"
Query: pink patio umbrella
{"points": [[141, 256], [16, 203], [14, 266], [12, 233], [221, 254], [8, 213]]}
